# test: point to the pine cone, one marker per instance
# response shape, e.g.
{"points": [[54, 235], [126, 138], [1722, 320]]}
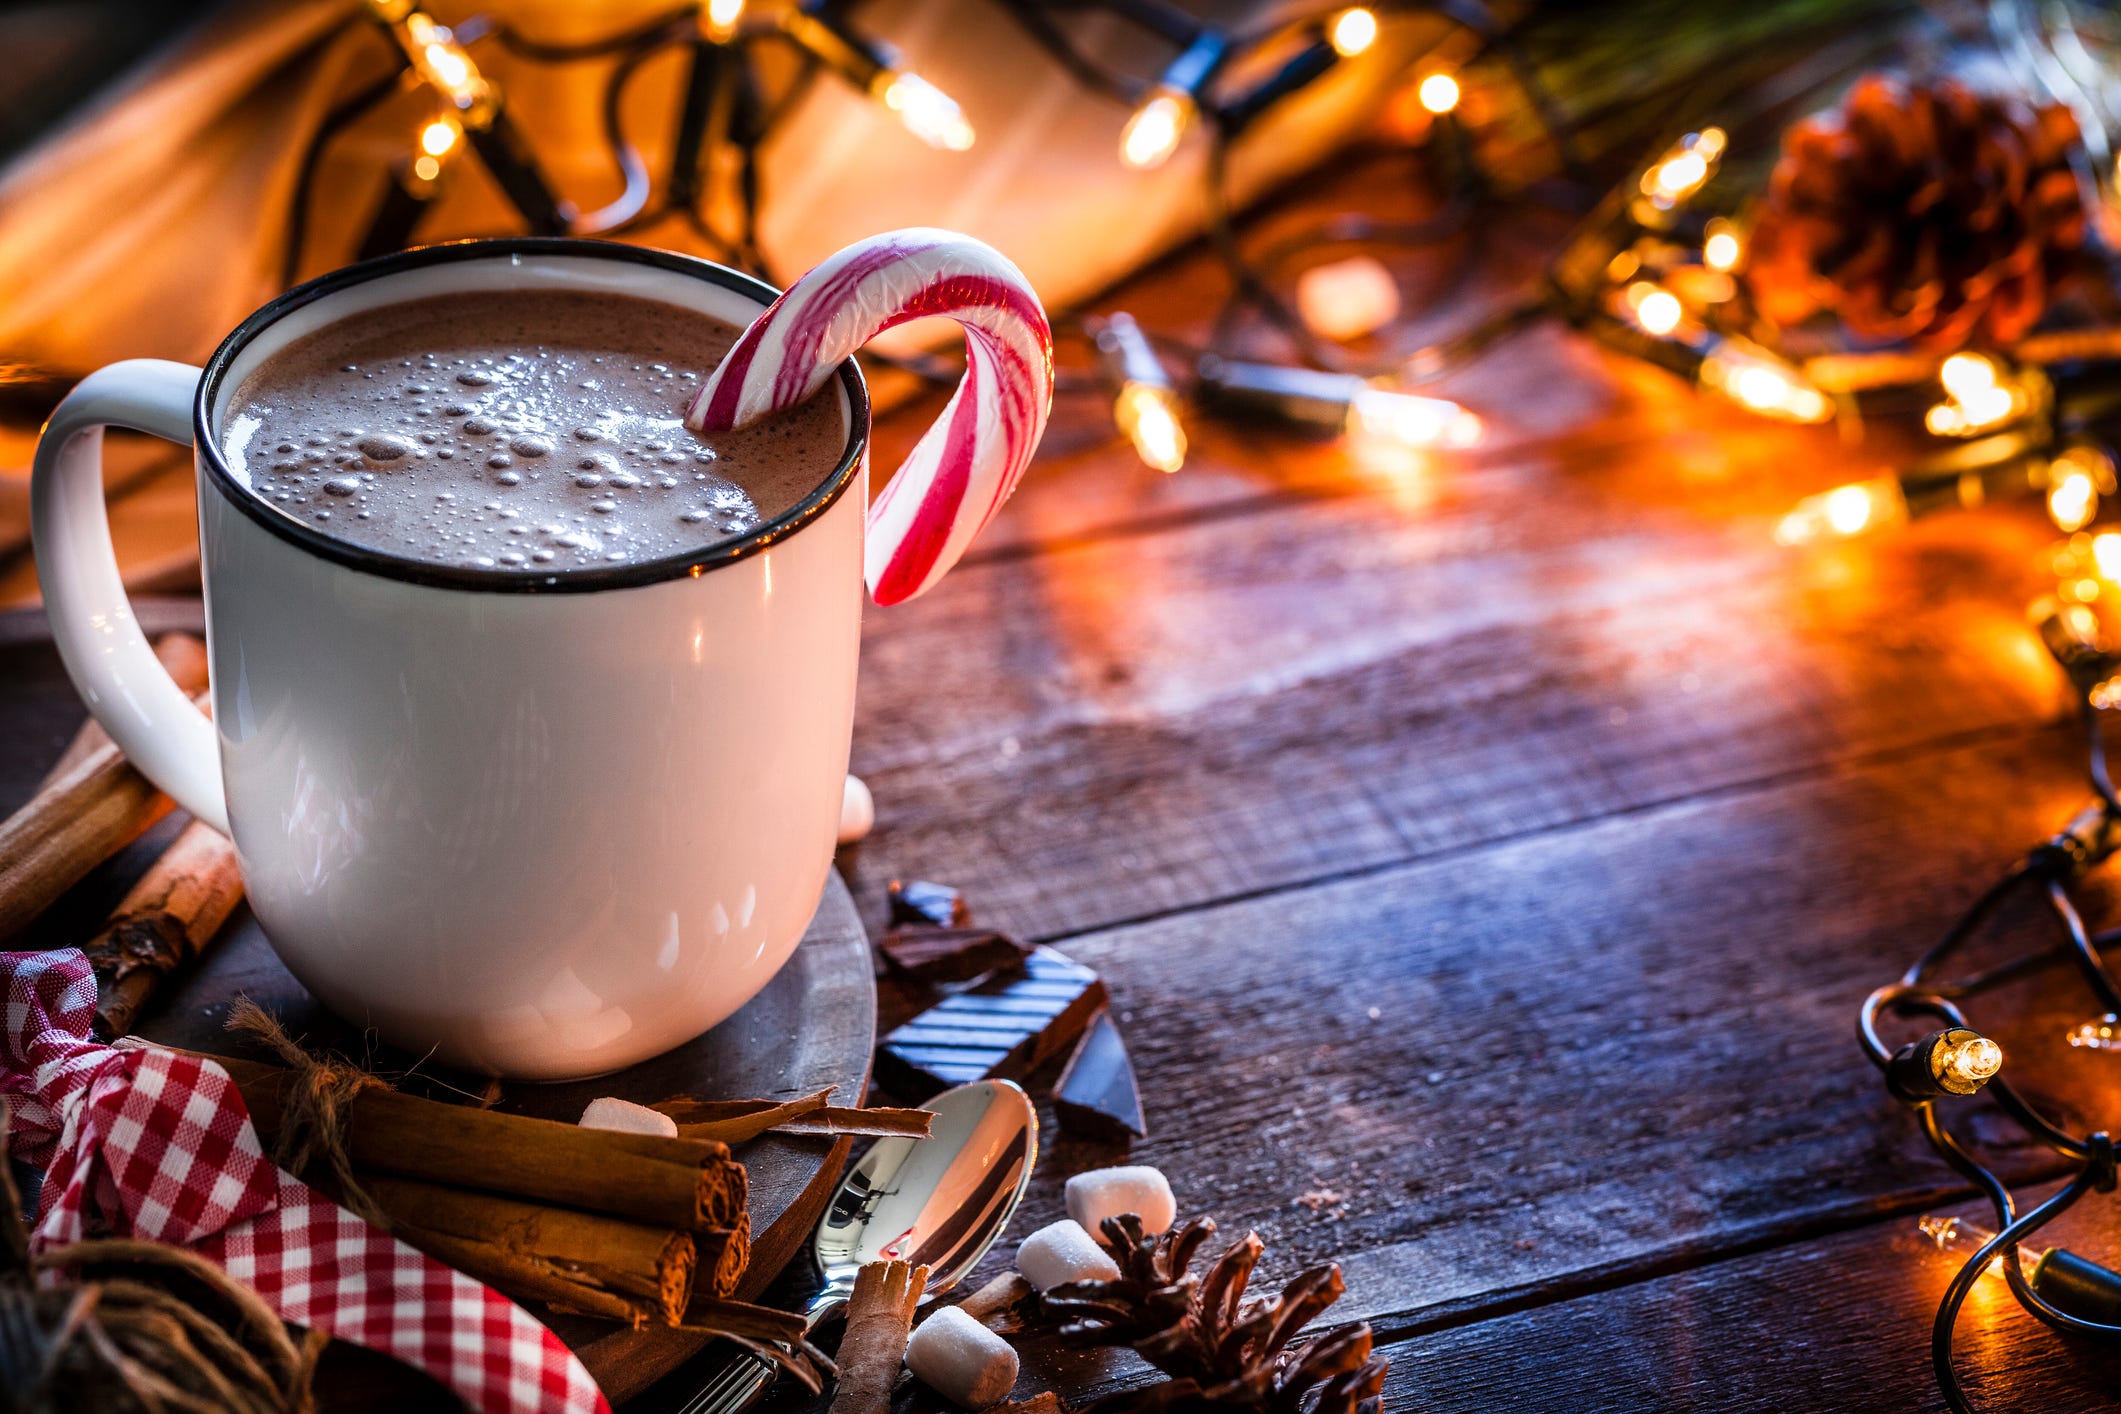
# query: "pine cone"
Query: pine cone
{"points": [[1223, 1349], [1930, 214]]}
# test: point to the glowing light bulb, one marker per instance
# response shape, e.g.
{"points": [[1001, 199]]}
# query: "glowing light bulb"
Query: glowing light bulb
{"points": [[1966, 1238], [2101, 1033], [926, 111], [440, 136], [1844, 511], [1148, 415], [2072, 500], [1968, 374], [2106, 555], [1721, 250], [1412, 420], [1152, 134], [1754, 378], [1439, 93], [1973, 1060], [720, 19], [1657, 311], [1684, 169], [1978, 397], [1351, 32]]}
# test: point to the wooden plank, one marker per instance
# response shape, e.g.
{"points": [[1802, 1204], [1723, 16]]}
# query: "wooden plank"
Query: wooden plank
{"points": [[1125, 727], [1841, 1324], [1580, 1058]]}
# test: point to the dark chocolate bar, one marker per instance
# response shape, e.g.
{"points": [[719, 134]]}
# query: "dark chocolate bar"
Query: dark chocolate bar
{"points": [[1005, 1026], [929, 954], [1096, 1097]]}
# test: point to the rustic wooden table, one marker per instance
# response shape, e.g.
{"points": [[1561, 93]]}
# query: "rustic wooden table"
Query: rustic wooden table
{"points": [[1487, 856]]}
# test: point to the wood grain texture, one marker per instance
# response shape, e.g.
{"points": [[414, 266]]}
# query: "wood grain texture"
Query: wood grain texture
{"points": [[1590, 1056]]}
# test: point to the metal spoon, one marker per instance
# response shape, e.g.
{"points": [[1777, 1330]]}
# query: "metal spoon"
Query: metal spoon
{"points": [[938, 1202]]}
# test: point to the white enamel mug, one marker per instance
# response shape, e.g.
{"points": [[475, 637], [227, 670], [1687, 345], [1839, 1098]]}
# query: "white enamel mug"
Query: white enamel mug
{"points": [[542, 826]]}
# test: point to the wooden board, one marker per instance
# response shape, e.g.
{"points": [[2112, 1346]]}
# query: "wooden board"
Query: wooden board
{"points": [[812, 1027]]}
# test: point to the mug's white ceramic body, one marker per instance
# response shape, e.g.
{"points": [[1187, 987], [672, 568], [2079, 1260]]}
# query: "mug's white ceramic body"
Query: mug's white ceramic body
{"points": [[543, 827]]}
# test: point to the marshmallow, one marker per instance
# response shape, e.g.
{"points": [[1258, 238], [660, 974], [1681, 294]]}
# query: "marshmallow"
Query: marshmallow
{"points": [[1134, 1188], [857, 810], [1063, 1251], [961, 1359], [627, 1118]]}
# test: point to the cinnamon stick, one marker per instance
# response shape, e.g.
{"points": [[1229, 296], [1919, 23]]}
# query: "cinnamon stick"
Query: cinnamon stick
{"points": [[495, 1237], [994, 1304], [691, 1184], [167, 918], [879, 1316], [68, 828], [182, 656], [526, 1278], [735, 1121]]}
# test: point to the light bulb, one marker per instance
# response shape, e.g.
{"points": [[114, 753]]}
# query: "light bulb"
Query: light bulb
{"points": [[1971, 1060], [1967, 374], [1351, 32], [720, 19], [440, 136], [2101, 1033], [1152, 134], [2072, 500], [1148, 415], [1844, 511], [1412, 420], [1966, 1238], [1684, 169], [1754, 378], [1657, 311], [1439, 93], [926, 111], [1721, 250]]}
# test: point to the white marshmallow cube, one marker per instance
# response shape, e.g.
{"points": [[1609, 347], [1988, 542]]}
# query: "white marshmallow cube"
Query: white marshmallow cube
{"points": [[627, 1118], [1061, 1252], [961, 1359], [1132, 1188]]}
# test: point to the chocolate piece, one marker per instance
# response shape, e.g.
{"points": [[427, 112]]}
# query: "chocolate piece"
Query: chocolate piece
{"points": [[1006, 1026], [929, 954], [918, 901], [1096, 1097]]}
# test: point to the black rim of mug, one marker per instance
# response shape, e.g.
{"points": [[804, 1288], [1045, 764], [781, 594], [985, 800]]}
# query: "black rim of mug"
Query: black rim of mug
{"points": [[691, 564]]}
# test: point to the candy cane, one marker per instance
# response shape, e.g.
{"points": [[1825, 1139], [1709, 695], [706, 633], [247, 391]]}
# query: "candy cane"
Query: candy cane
{"points": [[971, 459]]}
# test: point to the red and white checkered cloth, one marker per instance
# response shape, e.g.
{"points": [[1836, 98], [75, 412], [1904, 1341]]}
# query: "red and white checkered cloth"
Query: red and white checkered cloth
{"points": [[148, 1143]]}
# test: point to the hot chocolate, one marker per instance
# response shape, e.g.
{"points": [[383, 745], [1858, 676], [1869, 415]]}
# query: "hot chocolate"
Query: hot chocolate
{"points": [[523, 432]]}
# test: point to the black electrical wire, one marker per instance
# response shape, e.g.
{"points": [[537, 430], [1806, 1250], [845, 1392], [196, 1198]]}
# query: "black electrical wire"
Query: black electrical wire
{"points": [[2048, 872]]}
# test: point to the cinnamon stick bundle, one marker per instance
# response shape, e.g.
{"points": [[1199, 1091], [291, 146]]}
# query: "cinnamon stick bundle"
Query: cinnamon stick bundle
{"points": [[688, 1184], [583, 1260], [879, 1316], [735, 1121], [168, 917]]}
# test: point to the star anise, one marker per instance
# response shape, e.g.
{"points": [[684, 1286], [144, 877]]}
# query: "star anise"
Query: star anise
{"points": [[1224, 1350]]}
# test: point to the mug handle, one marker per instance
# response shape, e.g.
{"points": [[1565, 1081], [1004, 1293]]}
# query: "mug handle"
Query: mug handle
{"points": [[128, 692]]}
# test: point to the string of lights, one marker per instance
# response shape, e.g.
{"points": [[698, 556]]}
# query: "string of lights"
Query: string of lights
{"points": [[1218, 80], [1954, 1064]]}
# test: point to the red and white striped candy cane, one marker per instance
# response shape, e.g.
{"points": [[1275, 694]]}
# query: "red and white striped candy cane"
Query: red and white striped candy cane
{"points": [[971, 459]]}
